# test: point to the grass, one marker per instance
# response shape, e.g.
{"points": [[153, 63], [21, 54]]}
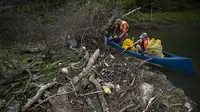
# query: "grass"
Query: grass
{"points": [[188, 16]]}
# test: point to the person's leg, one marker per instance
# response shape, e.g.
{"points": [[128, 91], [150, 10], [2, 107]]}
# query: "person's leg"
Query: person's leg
{"points": [[138, 48]]}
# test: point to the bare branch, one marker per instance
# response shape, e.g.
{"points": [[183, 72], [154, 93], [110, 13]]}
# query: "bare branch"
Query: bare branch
{"points": [[100, 95], [39, 93], [88, 67]]}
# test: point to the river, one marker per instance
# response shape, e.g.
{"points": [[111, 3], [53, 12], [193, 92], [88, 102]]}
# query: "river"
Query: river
{"points": [[182, 40]]}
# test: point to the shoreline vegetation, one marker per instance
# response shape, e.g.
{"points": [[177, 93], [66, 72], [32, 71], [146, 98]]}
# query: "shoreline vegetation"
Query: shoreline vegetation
{"points": [[166, 17]]}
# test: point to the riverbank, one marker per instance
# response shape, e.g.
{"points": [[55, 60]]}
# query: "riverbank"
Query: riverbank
{"points": [[133, 86]]}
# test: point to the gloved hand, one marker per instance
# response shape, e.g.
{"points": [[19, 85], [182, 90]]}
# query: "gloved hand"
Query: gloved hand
{"points": [[115, 36]]}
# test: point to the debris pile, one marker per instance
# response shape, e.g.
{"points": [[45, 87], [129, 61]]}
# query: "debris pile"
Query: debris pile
{"points": [[100, 81]]}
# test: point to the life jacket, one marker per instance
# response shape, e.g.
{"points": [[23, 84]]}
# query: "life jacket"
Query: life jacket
{"points": [[144, 42], [121, 26]]}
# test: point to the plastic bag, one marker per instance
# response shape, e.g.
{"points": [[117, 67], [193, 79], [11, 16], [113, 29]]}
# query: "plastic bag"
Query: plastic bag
{"points": [[128, 45], [154, 48]]}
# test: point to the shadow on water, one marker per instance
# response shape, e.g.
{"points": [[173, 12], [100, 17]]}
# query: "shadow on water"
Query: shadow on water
{"points": [[182, 41]]}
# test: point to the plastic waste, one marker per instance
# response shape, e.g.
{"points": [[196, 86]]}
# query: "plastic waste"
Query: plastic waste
{"points": [[128, 44], [106, 90], [154, 48], [64, 70]]}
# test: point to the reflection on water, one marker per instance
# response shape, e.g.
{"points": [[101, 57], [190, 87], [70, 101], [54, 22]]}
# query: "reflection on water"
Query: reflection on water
{"points": [[183, 41]]}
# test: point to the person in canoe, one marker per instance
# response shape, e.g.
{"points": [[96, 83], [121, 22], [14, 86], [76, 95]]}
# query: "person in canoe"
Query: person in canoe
{"points": [[122, 27], [142, 43]]}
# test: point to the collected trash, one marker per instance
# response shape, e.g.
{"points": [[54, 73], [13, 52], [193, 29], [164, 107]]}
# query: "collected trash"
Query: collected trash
{"points": [[106, 90], [154, 48], [64, 70]]}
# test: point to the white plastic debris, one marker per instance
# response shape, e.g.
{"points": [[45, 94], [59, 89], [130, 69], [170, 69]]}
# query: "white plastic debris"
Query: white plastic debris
{"points": [[146, 91], [84, 48], [64, 70], [117, 87], [106, 64], [112, 56], [187, 105]]}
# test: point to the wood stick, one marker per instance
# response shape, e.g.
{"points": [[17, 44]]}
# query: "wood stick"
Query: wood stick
{"points": [[29, 80], [144, 62], [52, 96], [39, 93], [9, 101], [88, 67], [131, 12], [152, 101], [37, 77], [73, 88], [90, 93], [100, 95], [122, 110]]}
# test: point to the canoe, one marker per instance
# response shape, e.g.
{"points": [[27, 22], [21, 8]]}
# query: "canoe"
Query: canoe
{"points": [[171, 61]]}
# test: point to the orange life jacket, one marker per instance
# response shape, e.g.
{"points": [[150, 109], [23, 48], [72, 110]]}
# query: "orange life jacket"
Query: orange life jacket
{"points": [[121, 26], [144, 42]]}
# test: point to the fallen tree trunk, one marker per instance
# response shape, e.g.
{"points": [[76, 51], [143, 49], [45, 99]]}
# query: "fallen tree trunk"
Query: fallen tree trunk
{"points": [[109, 23], [88, 67], [39, 93]]}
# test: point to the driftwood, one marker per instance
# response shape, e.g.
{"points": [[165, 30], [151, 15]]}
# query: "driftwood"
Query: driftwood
{"points": [[29, 80], [100, 95], [61, 103], [50, 97], [152, 101], [126, 107], [38, 77], [110, 22], [90, 93], [39, 93], [131, 12], [88, 67], [143, 62]]}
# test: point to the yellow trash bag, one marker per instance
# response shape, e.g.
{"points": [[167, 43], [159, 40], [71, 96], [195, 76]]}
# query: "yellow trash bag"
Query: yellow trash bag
{"points": [[154, 48], [127, 44]]}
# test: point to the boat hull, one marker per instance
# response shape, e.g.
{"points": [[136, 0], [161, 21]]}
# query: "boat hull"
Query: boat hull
{"points": [[182, 64]]}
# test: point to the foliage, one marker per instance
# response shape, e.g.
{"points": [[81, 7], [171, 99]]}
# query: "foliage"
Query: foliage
{"points": [[187, 16], [167, 5]]}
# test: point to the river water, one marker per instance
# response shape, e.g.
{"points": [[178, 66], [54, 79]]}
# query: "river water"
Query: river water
{"points": [[184, 41]]}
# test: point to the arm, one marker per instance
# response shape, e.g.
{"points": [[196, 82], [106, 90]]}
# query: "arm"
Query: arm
{"points": [[115, 29], [124, 31], [138, 41]]}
